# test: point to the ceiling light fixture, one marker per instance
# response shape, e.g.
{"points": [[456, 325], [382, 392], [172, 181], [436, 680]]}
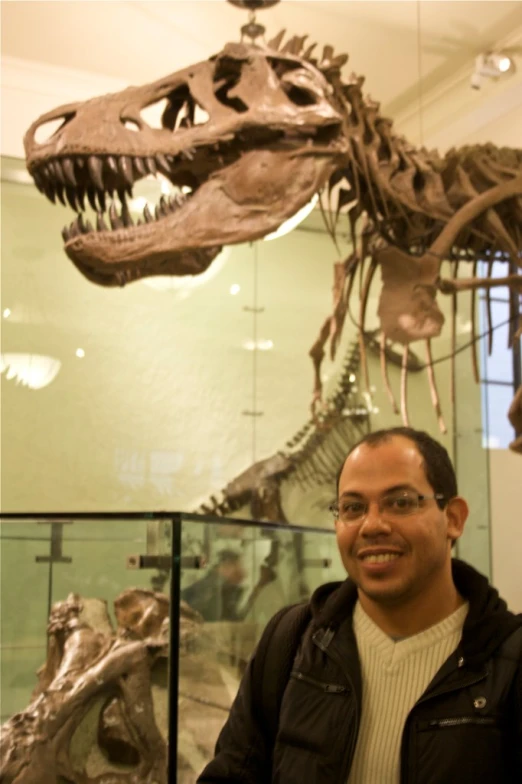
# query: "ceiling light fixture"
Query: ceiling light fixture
{"points": [[490, 66]]}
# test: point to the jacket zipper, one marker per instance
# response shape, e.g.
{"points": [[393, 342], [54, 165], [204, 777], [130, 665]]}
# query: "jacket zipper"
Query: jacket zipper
{"points": [[331, 688], [405, 773], [458, 722], [323, 646]]}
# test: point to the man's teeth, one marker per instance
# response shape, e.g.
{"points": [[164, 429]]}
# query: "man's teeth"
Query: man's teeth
{"points": [[381, 558]]}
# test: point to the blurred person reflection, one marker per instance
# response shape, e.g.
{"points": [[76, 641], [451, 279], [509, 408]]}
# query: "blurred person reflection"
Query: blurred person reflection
{"points": [[217, 595]]}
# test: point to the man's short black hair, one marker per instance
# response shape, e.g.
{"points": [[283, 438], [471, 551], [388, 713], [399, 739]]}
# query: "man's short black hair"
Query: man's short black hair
{"points": [[228, 556], [437, 463]]}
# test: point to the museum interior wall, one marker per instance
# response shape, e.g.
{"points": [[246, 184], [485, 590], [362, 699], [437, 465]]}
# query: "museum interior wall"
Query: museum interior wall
{"points": [[157, 395]]}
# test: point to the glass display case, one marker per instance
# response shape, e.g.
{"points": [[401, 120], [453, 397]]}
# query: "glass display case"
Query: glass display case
{"points": [[124, 637]]}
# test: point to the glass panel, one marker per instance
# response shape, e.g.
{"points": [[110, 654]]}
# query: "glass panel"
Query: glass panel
{"points": [[24, 588], [110, 686], [235, 576], [470, 457], [108, 583], [498, 366]]}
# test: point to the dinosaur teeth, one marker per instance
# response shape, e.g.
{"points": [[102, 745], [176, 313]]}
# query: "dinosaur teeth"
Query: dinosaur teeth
{"points": [[139, 165], [147, 214], [125, 215], [150, 165], [164, 206], [112, 164], [38, 180], [116, 222], [68, 171], [58, 172], [59, 193], [162, 163], [50, 191], [125, 169], [100, 223], [95, 167], [80, 197], [70, 193], [91, 196]]}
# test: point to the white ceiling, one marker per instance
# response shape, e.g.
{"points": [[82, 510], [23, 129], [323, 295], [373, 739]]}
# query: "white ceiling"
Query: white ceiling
{"points": [[140, 41]]}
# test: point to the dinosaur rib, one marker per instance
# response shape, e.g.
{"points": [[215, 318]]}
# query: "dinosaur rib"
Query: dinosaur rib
{"points": [[433, 388], [384, 373], [404, 387], [474, 356]]}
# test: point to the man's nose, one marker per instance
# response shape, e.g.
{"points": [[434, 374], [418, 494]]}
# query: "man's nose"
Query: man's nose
{"points": [[373, 521]]}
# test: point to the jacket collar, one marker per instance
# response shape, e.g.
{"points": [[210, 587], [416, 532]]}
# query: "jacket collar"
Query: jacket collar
{"points": [[487, 624]]}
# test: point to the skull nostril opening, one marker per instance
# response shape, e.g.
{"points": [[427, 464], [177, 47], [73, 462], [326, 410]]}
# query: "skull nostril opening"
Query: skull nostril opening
{"points": [[47, 130]]}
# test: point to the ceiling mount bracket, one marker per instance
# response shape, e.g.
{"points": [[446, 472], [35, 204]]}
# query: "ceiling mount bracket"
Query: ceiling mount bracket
{"points": [[253, 30]]}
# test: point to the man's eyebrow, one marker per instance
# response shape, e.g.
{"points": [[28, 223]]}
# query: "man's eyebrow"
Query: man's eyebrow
{"points": [[392, 489]]}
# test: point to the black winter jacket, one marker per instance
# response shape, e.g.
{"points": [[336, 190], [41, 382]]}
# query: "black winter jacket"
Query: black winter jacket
{"points": [[466, 727]]}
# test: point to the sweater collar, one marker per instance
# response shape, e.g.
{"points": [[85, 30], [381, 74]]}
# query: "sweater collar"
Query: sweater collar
{"points": [[487, 624]]}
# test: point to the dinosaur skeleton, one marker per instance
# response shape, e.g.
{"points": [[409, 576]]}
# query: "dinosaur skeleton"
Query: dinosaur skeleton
{"points": [[254, 133], [99, 712], [313, 454]]}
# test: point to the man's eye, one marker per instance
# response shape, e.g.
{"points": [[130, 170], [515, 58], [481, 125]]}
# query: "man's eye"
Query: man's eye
{"points": [[401, 503], [352, 509]]}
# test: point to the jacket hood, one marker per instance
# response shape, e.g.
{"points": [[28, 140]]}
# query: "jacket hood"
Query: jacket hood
{"points": [[487, 625]]}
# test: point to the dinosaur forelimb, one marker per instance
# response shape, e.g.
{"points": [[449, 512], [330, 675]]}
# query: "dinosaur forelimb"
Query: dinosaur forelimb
{"points": [[449, 286]]}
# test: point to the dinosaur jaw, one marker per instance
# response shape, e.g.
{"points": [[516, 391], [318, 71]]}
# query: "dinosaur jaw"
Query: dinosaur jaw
{"points": [[242, 202]]}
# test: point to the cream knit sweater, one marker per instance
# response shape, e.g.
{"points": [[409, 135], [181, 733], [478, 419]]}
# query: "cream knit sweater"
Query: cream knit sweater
{"points": [[394, 675]]}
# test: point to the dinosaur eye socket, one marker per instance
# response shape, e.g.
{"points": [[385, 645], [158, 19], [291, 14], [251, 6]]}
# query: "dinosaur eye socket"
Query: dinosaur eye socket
{"points": [[299, 95]]}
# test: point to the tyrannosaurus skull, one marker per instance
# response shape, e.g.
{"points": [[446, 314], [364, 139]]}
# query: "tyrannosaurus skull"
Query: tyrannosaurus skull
{"points": [[249, 135]]}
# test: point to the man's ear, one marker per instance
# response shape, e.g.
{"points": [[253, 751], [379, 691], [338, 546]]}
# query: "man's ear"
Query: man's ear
{"points": [[457, 512]]}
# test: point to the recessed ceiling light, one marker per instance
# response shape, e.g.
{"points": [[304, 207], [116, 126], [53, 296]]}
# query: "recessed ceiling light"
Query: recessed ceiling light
{"points": [[6, 313], [235, 288], [80, 352]]}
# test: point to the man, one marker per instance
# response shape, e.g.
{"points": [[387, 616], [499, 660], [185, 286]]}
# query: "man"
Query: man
{"points": [[217, 595], [410, 670]]}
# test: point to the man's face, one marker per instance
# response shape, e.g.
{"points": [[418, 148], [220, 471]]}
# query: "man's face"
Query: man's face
{"points": [[232, 572], [417, 548]]}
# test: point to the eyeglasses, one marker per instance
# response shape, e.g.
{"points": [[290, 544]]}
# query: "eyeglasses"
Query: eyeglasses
{"points": [[392, 506]]}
